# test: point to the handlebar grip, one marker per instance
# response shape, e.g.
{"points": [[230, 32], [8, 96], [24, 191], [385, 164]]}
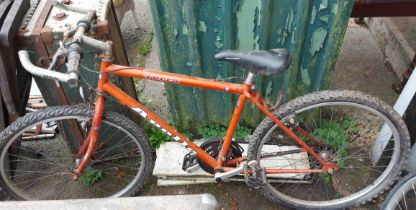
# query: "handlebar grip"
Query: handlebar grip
{"points": [[73, 65]]}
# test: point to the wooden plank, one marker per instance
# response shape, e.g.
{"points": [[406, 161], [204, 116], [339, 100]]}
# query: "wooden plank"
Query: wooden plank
{"points": [[120, 57]]}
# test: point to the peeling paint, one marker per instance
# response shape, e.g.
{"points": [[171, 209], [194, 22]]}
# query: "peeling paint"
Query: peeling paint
{"points": [[289, 21], [241, 24], [313, 15], [325, 18], [185, 30], [323, 5], [269, 90], [335, 8], [305, 77], [317, 40], [293, 37], [257, 23], [279, 35], [202, 27], [283, 35], [218, 42], [175, 32], [219, 77], [247, 23]]}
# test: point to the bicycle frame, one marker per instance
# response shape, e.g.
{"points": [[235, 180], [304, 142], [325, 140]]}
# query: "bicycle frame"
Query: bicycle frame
{"points": [[246, 91]]}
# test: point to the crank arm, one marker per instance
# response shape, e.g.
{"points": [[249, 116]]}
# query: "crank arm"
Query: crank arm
{"points": [[223, 176]]}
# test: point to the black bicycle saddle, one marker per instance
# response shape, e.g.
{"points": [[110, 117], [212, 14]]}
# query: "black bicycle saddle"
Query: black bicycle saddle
{"points": [[262, 62]]}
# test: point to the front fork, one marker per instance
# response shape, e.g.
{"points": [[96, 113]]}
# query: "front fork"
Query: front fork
{"points": [[90, 143]]}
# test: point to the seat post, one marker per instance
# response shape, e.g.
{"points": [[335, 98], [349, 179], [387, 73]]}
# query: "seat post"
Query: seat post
{"points": [[249, 78]]}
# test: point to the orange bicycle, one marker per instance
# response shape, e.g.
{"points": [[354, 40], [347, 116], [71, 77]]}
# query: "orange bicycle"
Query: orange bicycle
{"points": [[319, 151]]}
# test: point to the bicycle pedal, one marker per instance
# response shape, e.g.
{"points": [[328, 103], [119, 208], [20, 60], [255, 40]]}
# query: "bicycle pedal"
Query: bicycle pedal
{"points": [[257, 178], [190, 163]]}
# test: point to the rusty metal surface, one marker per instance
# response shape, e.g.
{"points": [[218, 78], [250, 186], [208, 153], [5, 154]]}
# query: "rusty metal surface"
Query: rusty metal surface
{"points": [[102, 29], [384, 8], [60, 16]]}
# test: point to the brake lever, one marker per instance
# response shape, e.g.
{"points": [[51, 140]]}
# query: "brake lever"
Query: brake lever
{"points": [[60, 53]]}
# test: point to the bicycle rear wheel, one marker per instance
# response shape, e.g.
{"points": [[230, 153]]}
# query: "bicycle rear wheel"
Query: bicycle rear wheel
{"points": [[344, 128], [39, 153], [403, 195]]}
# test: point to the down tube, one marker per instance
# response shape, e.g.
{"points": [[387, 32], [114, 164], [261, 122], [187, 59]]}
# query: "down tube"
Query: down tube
{"points": [[125, 99]]}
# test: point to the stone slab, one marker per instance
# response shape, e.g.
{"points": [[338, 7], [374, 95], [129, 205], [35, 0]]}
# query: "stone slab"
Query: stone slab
{"points": [[173, 202], [168, 165]]}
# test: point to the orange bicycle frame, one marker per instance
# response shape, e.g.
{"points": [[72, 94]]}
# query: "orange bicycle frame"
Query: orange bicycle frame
{"points": [[246, 91]]}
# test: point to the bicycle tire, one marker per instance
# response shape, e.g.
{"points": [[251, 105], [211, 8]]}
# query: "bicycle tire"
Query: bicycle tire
{"points": [[396, 199], [329, 184], [40, 169]]}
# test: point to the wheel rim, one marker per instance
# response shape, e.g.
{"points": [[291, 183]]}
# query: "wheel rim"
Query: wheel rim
{"points": [[109, 168], [318, 200], [405, 196]]}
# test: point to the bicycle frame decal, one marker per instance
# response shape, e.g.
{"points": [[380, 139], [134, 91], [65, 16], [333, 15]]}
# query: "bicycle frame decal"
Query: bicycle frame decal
{"points": [[161, 78], [151, 121]]}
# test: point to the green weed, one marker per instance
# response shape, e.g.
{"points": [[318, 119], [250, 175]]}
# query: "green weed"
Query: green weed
{"points": [[90, 176], [336, 135], [146, 47], [219, 131], [156, 136]]}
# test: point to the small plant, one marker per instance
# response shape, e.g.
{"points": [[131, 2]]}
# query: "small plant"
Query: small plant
{"points": [[326, 177], [156, 136], [336, 135], [141, 63], [219, 131], [146, 47], [350, 125], [90, 176]]}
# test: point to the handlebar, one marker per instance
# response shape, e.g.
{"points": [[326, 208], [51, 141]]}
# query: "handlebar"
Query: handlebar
{"points": [[72, 51], [44, 73]]}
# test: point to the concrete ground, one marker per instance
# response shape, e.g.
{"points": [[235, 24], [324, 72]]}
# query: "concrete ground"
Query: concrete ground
{"points": [[361, 66]]}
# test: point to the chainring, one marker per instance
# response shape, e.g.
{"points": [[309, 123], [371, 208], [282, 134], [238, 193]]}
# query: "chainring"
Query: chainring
{"points": [[212, 147]]}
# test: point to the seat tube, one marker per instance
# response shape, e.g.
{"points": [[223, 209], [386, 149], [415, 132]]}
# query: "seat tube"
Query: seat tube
{"points": [[249, 79], [234, 122], [230, 132]]}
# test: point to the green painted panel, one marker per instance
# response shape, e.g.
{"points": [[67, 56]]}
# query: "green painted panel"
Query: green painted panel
{"points": [[191, 32]]}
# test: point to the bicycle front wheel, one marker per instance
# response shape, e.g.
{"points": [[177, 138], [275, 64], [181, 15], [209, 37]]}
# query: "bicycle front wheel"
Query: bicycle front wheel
{"points": [[39, 153], [342, 127]]}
